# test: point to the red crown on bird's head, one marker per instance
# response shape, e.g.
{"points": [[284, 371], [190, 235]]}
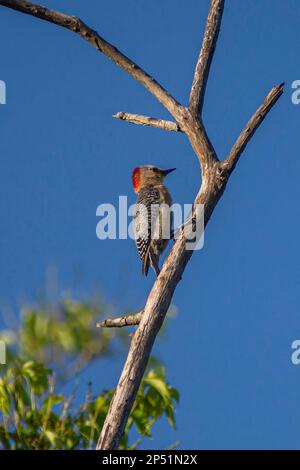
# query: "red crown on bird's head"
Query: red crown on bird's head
{"points": [[136, 179]]}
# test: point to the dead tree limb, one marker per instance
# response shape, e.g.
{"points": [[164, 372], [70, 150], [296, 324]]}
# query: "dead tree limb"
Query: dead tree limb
{"points": [[212, 29], [88, 34], [215, 175], [255, 121], [148, 121], [126, 320]]}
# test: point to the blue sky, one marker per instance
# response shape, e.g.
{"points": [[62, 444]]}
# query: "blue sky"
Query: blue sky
{"points": [[229, 349]]}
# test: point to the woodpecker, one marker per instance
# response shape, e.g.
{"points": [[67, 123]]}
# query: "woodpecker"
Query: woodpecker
{"points": [[152, 217]]}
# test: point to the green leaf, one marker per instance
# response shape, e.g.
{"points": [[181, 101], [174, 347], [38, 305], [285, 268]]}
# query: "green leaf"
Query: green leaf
{"points": [[52, 400], [161, 387]]}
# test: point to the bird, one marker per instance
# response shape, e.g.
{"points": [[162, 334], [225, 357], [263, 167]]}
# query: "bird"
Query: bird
{"points": [[152, 216]]}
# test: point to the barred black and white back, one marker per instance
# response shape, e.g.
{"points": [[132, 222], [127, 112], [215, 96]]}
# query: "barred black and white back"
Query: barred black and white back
{"points": [[145, 220], [152, 214]]}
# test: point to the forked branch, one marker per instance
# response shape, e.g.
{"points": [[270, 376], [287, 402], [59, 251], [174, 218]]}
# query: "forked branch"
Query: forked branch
{"points": [[88, 34]]}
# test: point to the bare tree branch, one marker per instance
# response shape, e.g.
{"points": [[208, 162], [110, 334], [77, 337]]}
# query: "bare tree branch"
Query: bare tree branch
{"points": [[148, 121], [128, 320], [206, 55], [215, 175], [213, 185], [255, 121], [196, 132], [79, 27]]}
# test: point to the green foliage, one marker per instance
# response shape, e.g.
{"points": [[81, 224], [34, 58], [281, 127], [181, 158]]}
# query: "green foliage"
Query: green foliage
{"points": [[35, 417], [155, 398], [35, 414], [63, 336]]}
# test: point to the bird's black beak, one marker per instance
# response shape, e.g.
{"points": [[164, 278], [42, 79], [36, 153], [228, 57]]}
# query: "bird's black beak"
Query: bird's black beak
{"points": [[166, 172]]}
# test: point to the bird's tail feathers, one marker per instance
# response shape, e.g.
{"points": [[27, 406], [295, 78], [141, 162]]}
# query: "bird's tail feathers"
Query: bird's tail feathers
{"points": [[146, 262], [145, 265]]}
